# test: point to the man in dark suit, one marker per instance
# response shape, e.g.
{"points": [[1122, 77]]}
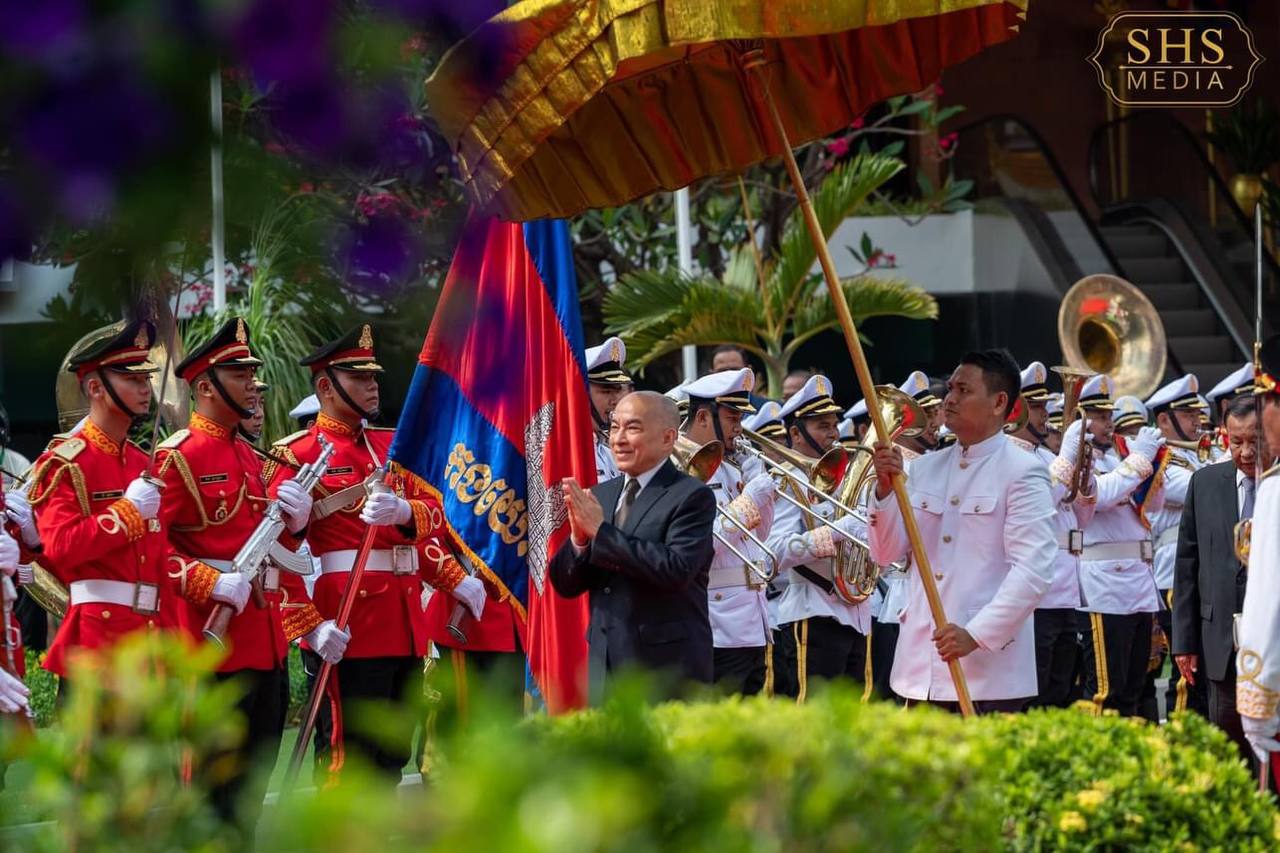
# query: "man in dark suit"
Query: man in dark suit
{"points": [[641, 546], [1209, 582]]}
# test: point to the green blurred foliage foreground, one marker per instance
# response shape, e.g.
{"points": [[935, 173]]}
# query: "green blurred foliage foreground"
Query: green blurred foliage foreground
{"points": [[767, 775]]}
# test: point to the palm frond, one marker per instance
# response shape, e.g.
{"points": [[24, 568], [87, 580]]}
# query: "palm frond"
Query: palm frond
{"points": [[656, 312], [868, 296], [834, 200]]}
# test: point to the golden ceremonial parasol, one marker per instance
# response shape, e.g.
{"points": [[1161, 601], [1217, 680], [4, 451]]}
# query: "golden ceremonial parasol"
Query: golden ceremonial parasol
{"points": [[557, 106]]}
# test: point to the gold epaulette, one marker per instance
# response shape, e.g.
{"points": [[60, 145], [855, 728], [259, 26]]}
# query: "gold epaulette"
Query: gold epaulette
{"points": [[69, 449], [175, 439], [290, 439]]}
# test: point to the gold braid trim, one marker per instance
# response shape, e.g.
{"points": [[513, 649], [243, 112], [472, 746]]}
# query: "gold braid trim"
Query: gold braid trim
{"points": [[299, 619], [1254, 700], [71, 469], [745, 510], [442, 568], [822, 542], [123, 510], [428, 518], [184, 471], [195, 579]]}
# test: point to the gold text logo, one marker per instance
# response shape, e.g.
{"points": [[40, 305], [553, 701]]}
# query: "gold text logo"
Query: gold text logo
{"points": [[1175, 59]]}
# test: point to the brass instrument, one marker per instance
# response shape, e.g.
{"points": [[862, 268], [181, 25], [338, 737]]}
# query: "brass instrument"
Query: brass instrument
{"points": [[1073, 380], [1243, 537], [1107, 325], [824, 473], [1202, 446], [701, 461], [855, 575]]}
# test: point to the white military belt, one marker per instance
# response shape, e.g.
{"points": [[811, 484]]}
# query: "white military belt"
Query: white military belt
{"points": [[400, 560], [1071, 540], [1139, 550], [144, 598], [729, 577], [270, 574], [1167, 537]]}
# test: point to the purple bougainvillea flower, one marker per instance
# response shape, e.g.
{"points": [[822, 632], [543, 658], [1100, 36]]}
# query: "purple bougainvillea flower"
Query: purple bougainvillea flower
{"points": [[285, 41], [381, 255], [40, 30]]}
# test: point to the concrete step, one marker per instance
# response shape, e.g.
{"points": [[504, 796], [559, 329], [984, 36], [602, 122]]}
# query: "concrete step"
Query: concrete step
{"points": [[1202, 349], [1189, 321], [1172, 297], [1154, 270]]}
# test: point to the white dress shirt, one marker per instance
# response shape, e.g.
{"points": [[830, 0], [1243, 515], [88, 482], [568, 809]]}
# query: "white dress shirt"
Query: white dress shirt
{"points": [[644, 479], [986, 519], [1118, 586], [739, 614]]}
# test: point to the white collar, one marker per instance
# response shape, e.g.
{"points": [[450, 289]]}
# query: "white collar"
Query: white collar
{"points": [[646, 476], [985, 447]]}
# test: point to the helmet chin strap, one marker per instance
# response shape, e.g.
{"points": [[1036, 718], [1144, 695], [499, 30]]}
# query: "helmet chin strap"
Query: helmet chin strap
{"points": [[115, 398], [602, 423], [240, 410], [346, 398], [1177, 427], [1037, 434], [808, 438]]}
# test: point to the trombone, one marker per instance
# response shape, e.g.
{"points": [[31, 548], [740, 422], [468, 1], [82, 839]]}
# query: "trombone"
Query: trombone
{"points": [[701, 461]]}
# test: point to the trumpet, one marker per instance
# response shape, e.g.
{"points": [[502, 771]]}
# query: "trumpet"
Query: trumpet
{"points": [[701, 461], [1073, 380], [1202, 446]]}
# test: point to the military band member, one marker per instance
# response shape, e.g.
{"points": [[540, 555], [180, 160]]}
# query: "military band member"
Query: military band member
{"points": [[767, 421], [306, 411], [985, 514], [607, 383], [736, 599], [857, 414], [1053, 408], [1258, 661], [12, 463], [1057, 633], [1117, 588], [213, 499], [388, 627], [1237, 382], [919, 388], [97, 513], [820, 635], [1176, 409]]}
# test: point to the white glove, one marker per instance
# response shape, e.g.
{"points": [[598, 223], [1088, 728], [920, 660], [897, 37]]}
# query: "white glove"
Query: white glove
{"points": [[232, 588], [761, 489], [14, 695], [145, 497], [328, 641], [752, 467], [382, 509], [8, 554], [852, 525], [19, 512], [1147, 443], [1069, 452], [295, 504], [1261, 735], [470, 591]]}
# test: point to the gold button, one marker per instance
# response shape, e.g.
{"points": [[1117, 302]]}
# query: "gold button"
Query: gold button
{"points": [[946, 538], [955, 501], [151, 623], [142, 559], [364, 593], [937, 577], [106, 614], [964, 465], [719, 597], [924, 504]]}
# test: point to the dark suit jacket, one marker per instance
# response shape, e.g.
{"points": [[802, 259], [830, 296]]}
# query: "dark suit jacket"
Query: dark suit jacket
{"points": [[647, 580], [1208, 580]]}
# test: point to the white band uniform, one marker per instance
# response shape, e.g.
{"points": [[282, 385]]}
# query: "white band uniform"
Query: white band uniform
{"points": [[400, 560], [1141, 549]]}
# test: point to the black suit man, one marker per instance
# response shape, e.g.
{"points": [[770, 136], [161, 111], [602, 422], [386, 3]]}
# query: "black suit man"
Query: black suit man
{"points": [[641, 546], [1209, 582]]}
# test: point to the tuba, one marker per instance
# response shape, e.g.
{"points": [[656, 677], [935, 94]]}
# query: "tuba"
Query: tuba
{"points": [[1107, 325], [855, 575]]}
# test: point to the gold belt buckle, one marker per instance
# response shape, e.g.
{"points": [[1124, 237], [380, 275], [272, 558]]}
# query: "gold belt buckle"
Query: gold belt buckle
{"points": [[146, 599]]}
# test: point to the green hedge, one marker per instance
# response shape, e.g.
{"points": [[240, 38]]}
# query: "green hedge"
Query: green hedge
{"points": [[729, 775]]}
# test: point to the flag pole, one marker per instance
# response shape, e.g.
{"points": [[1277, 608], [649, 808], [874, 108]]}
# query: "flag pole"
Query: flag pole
{"points": [[684, 257]]}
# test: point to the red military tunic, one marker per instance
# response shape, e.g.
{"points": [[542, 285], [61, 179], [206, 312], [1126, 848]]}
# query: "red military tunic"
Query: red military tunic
{"points": [[25, 556], [495, 632], [92, 533], [214, 498], [387, 619]]}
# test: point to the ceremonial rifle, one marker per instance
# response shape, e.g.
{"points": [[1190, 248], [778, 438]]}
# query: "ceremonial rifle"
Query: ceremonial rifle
{"points": [[8, 595]]}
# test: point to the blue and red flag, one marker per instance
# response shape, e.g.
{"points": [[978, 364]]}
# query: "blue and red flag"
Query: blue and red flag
{"points": [[497, 415]]}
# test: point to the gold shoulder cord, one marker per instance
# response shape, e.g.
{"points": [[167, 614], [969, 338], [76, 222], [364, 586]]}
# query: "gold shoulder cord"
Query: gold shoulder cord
{"points": [[71, 469], [184, 472]]}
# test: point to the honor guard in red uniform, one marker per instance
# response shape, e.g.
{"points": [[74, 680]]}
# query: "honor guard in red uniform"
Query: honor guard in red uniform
{"points": [[95, 511], [388, 626], [214, 498]]}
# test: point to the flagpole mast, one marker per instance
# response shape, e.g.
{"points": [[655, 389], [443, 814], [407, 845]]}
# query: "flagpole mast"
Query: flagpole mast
{"points": [[684, 257]]}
